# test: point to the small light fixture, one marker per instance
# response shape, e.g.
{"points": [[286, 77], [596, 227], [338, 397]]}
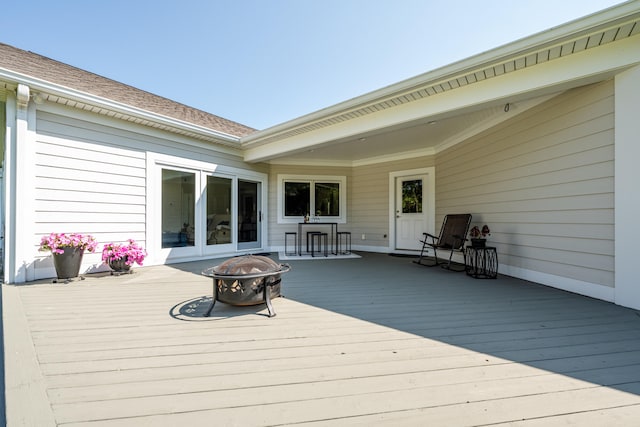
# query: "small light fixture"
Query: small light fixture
{"points": [[432, 122], [363, 139], [38, 99]]}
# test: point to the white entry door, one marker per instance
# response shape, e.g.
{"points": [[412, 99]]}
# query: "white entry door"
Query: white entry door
{"points": [[410, 211]]}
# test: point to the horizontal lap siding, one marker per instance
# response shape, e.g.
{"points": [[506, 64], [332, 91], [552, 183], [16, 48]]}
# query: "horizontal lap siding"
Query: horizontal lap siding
{"points": [[367, 198], [83, 185], [370, 199], [276, 230], [543, 182], [91, 176]]}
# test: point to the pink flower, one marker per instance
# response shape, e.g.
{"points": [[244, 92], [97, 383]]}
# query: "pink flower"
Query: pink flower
{"points": [[131, 252], [56, 242], [477, 233]]}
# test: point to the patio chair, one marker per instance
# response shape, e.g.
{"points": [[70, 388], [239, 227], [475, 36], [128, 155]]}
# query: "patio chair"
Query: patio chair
{"points": [[452, 237]]}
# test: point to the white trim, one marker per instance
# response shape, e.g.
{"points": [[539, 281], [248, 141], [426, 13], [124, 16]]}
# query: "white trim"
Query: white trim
{"points": [[155, 163], [38, 85], [340, 179], [430, 187], [626, 178], [592, 290], [120, 125], [25, 136], [544, 79], [517, 49], [9, 189]]}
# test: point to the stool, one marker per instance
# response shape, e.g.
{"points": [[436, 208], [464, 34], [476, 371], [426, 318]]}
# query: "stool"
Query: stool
{"points": [[319, 237], [347, 242], [295, 242], [309, 236]]}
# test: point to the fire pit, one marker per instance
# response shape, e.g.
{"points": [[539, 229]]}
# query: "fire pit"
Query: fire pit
{"points": [[246, 280]]}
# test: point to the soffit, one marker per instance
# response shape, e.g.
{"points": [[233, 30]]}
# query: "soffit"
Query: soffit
{"points": [[407, 137], [188, 130]]}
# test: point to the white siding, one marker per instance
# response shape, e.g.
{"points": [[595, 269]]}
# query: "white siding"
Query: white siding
{"points": [[543, 182], [367, 199], [276, 231], [91, 178], [370, 192]]}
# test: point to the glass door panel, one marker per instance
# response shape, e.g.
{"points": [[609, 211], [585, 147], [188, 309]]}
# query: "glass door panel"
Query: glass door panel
{"points": [[219, 210], [249, 214], [178, 208]]}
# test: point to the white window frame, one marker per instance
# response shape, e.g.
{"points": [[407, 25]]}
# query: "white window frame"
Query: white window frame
{"points": [[155, 163], [312, 179]]}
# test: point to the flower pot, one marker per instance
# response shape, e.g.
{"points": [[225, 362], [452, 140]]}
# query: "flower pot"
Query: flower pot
{"points": [[478, 243], [68, 263], [120, 265]]}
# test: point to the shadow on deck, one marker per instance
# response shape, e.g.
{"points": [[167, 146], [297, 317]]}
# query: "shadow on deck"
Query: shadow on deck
{"points": [[508, 318]]}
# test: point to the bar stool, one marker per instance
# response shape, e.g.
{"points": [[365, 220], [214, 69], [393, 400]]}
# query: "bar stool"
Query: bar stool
{"points": [[320, 238], [347, 242], [309, 237], [287, 235]]}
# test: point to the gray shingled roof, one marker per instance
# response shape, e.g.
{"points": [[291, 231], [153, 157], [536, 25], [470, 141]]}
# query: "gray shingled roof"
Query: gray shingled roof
{"points": [[43, 68]]}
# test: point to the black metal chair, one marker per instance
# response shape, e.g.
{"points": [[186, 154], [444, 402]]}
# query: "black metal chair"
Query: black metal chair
{"points": [[452, 237]]}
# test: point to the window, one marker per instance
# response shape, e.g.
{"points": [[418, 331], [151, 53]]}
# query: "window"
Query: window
{"points": [[321, 196], [412, 196]]}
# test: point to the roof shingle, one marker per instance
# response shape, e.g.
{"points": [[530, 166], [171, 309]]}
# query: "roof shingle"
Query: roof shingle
{"points": [[43, 68]]}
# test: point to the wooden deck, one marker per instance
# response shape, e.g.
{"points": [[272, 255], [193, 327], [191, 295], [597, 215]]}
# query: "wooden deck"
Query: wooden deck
{"points": [[371, 341]]}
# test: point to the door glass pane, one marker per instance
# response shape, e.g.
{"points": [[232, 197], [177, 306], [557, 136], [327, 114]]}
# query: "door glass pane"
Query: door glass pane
{"points": [[327, 199], [297, 198], [219, 210], [178, 208], [412, 196], [247, 211]]}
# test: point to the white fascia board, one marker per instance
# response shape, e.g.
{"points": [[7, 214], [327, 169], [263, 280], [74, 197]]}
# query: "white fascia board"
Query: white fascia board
{"points": [[38, 85], [555, 35], [581, 68]]}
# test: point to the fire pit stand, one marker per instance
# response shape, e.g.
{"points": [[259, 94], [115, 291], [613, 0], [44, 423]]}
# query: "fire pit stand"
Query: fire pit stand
{"points": [[246, 280]]}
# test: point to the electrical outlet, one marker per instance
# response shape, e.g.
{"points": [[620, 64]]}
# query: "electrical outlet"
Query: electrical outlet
{"points": [[364, 237]]}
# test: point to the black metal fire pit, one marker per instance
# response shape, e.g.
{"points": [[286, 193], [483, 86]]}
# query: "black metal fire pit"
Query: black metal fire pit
{"points": [[246, 280]]}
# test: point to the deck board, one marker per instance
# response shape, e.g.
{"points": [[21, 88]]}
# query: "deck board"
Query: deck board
{"points": [[370, 341]]}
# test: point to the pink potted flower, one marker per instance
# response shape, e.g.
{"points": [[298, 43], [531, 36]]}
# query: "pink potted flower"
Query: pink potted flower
{"points": [[67, 251], [121, 256], [479, 235]]}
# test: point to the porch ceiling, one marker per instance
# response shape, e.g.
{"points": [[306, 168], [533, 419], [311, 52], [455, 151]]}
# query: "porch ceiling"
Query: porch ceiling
{"points": [[416, 138]]}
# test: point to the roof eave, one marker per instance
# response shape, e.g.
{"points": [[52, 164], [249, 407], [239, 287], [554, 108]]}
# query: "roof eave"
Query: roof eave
{"points": [[553, 36], [50, 89]]}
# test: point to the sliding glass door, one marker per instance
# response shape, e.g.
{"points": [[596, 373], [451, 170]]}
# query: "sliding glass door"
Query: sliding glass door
{"points": [[219, 210], [206, 213], [249, 214], [178, 208]]}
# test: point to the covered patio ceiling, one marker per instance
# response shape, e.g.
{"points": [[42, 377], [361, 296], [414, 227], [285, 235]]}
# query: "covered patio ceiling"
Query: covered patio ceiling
{"points": [[421, 137]]}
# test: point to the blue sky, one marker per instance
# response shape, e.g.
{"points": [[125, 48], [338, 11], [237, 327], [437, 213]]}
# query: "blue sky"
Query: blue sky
{"points": [[262, 63]]}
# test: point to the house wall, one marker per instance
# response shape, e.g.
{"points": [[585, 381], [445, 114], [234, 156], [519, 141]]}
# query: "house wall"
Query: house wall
{"points": [[276, 230], [370, 186], [367, 200], [91, 176], [543, 182]]}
